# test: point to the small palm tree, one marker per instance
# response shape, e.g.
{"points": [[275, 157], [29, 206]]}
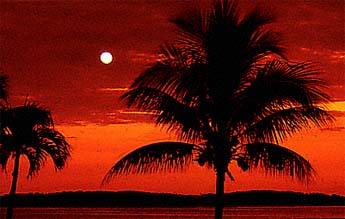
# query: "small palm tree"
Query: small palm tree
{"points": [[29, 131], [227, 91]]}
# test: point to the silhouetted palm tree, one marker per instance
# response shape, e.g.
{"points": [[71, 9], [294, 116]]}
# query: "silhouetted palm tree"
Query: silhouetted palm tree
{"points": [[29, 131], [230, 95]]}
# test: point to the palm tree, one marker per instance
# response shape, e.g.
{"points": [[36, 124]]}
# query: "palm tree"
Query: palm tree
{"points": [[29, 131], [227, 91]]}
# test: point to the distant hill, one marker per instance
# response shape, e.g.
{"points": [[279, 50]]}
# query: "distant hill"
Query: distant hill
{"points": [[145, 199]]}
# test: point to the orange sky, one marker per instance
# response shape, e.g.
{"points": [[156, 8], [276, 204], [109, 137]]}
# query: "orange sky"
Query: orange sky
{"points": [[50, 51]]}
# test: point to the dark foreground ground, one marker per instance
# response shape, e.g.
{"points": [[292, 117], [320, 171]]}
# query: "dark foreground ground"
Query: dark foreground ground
{"points": [[144, 199]]}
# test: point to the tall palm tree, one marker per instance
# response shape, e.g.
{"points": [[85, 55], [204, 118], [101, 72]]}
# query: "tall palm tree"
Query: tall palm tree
{"points": [[230, 95], [29, 131]]}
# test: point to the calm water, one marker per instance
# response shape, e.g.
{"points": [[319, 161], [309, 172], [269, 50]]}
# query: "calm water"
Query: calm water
{"points": [[180, 213]]}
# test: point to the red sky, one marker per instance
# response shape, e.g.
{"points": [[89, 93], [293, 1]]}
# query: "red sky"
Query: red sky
{"points": [[51, 52]]}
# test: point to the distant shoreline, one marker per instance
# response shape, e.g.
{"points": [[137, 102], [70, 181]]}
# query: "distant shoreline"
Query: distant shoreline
{"points": [[146, 199]]}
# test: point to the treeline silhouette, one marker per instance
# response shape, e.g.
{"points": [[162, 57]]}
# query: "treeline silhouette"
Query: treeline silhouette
{"points": [[145, 199]]}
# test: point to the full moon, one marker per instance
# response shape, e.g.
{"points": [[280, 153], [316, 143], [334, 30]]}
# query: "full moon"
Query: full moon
{"points": [[106, 58]]}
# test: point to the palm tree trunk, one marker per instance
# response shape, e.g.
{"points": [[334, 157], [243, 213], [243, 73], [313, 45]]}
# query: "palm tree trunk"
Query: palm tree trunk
{"points": [[219, 193], [9, 213]]}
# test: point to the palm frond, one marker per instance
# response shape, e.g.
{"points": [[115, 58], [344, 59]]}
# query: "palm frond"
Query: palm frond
{"points": [[275, 160], [262, 44], [285, 122], [278, 86], [190, 23], [36, 157], [25, 118], [165, 73], [224, 12], [47, 143], [178, 74], [56, 146], [152, 158], [233, 45], [261, 41], [298, 82], [255, 20], [5, 154], [171, 113], [40, 115]]}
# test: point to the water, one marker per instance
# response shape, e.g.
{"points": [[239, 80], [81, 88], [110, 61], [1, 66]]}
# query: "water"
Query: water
{"points": [[178, 213]]}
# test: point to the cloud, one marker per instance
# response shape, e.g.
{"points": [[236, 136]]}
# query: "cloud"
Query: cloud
{"points": [[334, 129], [114, 89], [337, 113], [327, 55], [338, 56], [155, 112], [142, 57]]}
